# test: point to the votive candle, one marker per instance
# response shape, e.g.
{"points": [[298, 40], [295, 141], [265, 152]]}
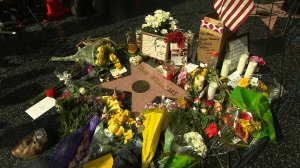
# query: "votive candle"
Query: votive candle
{"points": [[225, 68], [250, 69], [242, 63], [212, 88]]}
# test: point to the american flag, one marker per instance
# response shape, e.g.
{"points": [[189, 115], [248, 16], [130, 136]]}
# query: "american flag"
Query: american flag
{"points": [[233, 12]]}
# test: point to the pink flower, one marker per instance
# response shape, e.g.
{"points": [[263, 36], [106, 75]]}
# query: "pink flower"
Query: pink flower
{"points": [[212, 130], [257, 59], [181, 77], [89, 69]]}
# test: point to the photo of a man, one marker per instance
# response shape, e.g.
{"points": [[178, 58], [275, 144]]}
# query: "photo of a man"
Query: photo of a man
{"points": [[153, 46]]}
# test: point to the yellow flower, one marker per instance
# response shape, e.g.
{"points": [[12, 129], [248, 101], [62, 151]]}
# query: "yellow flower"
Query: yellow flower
{"points": [[244, 82], [118, 66], [262, 86], [120, 131], [193, 73], [120, 118], [113, 128], [181, 103], [113, 57], [130, 121], [204, 71], [126, 113], [82, 90], [222, 78], [100, 50], [128, 135], [256, 125], [244, 124], [265, 94]]}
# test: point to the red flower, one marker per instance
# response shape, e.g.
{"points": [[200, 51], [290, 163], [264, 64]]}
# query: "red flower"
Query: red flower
{"points": [[176, 37], [245, 116], [212, 130], [50, 93], [209, 103], [66, 95]]}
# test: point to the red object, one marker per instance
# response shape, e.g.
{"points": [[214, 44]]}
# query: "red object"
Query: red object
{"points": [[55, 9], [212, 130], [233, 13], [209, 103], [50, 93]]}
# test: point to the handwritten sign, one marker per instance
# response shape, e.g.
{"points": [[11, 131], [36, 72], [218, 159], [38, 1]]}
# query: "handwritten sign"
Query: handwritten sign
{"points": [[208, 41], [41, 107], [236, 48]]}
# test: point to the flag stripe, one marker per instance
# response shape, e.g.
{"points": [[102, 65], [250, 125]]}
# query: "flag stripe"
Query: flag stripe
{"points": [[226, 8], [240, 14], [233, 12]]}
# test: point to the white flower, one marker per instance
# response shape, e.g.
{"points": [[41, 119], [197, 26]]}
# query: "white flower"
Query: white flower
{"points": [[164, 31], [195, 140]]}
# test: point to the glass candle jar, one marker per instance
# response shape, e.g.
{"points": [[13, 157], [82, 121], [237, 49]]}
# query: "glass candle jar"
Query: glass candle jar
{"points": [[168, 69]]}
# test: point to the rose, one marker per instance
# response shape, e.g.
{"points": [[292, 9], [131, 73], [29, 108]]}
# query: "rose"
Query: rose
{"points": [[209, 103], [50, 92], [246, 116], [212, 130]]}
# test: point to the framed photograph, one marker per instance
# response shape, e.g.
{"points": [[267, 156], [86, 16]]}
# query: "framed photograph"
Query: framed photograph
{"points": [[236, 47], [153, 46]]}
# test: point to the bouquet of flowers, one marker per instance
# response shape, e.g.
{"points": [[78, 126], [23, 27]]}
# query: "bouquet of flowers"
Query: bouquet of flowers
{"points": [[160, 23], [95, 57]]}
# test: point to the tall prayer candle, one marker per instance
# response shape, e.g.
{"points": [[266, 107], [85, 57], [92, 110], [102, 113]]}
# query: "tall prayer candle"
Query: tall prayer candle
{"points": [[212, 88], [250, 69], [242, 63], [225, 68]]}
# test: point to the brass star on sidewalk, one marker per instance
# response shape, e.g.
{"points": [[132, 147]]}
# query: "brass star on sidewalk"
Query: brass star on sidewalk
{"points": [[145, 83]]}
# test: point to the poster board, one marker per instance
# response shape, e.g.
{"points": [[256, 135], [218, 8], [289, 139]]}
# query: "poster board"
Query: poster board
{"points": [[236, 47], [154, 46]]}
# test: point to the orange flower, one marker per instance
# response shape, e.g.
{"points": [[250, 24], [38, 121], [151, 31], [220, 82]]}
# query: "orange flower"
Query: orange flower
{"points": [[244, 82], [204, 71]]}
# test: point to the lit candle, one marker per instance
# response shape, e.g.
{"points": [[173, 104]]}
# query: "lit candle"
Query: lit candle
{"points": [[199, 81], [242, 63], [212, 88], [250, 69], [225, 68]]}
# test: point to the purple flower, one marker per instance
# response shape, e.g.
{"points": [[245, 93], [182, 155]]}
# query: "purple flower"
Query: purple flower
{"points": [[89, 69]]}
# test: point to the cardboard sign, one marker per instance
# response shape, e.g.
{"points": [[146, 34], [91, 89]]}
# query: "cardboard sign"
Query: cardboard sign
{"points": [[212, 37], [236, 48]]}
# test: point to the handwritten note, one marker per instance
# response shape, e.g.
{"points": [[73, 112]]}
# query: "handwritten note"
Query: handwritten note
{"points": [[41, 107], [208, 41], [237, 47]]}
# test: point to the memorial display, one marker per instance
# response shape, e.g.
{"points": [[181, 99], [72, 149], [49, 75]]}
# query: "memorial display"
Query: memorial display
{"points": [[121, 111]]}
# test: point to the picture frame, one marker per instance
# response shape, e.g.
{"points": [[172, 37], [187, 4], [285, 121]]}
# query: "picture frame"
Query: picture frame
{"points": [[235, 48], [154, 46]]}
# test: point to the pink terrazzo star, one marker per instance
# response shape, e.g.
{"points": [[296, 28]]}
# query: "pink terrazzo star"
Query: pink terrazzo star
{"points": [[151, 82]]}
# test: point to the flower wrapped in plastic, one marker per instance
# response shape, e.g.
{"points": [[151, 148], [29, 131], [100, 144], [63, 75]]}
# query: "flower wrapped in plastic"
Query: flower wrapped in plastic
{"points": [[95, 57]]}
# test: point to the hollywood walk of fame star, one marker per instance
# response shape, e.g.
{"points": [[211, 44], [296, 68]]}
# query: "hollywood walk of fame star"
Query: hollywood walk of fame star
{"points": [[263, 11], [145, 83]]}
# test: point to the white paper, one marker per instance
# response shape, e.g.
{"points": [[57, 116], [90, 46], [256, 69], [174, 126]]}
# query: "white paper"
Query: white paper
{"points": [[190, 67], [234, 76], [41, 107], [116, 73], [254, 81]]}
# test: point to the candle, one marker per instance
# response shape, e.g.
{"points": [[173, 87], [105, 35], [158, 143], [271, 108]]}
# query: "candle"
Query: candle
{"points": [[212, 88], [225, 68], [199, 81], [250, 69], [242, 63]]}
